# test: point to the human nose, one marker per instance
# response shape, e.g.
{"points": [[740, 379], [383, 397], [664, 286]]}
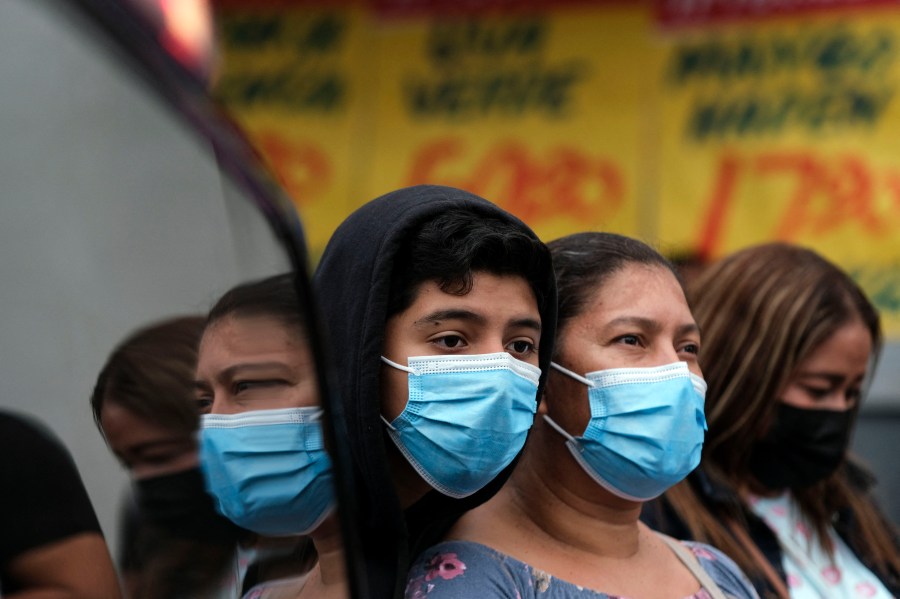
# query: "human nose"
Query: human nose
{"points": [[220, 405], [839, 401], [665, 354], [490, 346]]}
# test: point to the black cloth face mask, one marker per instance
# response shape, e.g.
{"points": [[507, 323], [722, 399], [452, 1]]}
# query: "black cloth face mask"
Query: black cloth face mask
{"points": [[803, 447], [179, 505]]}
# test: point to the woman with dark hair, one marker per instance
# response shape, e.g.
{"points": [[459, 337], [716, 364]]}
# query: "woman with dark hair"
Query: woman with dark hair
{"points": [[175, 544], [789, 341], [621, 419], [261, 442]]}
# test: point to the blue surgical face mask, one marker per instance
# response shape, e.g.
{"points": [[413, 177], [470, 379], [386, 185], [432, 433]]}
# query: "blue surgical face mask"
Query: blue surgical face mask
{"points": [[646, 429], [466, 417], [268, 469]]}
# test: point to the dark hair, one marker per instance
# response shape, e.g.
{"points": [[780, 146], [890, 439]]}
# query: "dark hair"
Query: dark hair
{"points": [[274, 296], [454, 245], [583, 262], [151, 373]]}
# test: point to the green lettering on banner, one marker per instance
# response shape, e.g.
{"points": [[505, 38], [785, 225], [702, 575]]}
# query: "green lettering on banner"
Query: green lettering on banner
{"points": [[813, 112], [250, 32], [484, 67], [827, 53], [285, 89], [291, 62], [452, 41], [511, 92]]}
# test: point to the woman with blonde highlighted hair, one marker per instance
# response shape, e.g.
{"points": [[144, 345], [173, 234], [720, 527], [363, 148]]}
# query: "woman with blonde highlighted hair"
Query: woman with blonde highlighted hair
{"points": [[789, 342]]}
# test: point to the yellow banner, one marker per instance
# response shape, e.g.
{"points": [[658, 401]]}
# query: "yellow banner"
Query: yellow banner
{"points": [[293, 76], [699, 127], [514, 108], [786, 129]]}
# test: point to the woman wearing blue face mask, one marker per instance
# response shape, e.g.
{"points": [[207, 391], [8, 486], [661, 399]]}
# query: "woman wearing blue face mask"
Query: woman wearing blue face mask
{"points": [[620, 421], [262, 446]]}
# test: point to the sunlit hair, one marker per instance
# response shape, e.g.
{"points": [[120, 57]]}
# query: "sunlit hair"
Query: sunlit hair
{"points": [[762, 312], [151, 374], [584, 261]]}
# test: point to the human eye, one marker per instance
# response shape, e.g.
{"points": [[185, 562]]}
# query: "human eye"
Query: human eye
{"points": [[203, 398], [204, 404], [521, 347], [816, 391], [242, 386], [690, 347], [158, 458], [449, 342], [628, 339]]}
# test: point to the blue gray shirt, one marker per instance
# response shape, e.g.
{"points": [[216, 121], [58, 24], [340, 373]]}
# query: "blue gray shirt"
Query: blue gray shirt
{"points": [[463, 570]]}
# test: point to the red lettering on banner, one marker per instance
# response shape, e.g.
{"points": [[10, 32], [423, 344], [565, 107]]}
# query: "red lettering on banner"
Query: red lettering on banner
{"points": [[304, 169], [828, 193], [564, 181]]}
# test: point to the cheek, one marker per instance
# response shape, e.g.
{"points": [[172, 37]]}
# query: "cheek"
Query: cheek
{"points": [[795, 396], [694, 367], [394, 392], [306, 395], [177, 463], [566, 402]]}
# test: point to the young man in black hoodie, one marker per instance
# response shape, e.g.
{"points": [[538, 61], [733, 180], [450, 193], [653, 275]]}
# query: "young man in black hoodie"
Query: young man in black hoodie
{"points": [[441, 312]]}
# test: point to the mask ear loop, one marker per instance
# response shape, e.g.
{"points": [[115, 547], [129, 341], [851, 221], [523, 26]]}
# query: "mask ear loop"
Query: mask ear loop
{"points": [[571, 374], [558, 428], [578, 378], [398, 367]]}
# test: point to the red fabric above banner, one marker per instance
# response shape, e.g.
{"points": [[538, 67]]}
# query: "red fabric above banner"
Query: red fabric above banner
{"points": [[694, 12]]}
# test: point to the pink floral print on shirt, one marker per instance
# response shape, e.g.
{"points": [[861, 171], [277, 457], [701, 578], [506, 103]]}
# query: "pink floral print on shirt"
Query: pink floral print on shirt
{"points": [[445, 565]]}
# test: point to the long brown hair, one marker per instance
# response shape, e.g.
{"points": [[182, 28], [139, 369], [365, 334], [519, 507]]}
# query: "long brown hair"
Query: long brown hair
{"points": [[762, 311], [151, 373]]}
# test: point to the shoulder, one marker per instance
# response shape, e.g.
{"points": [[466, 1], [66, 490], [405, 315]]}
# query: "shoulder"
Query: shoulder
{"points": [[730, 578], [277, 589], [456, 568], [39, 509], [463, 569]]}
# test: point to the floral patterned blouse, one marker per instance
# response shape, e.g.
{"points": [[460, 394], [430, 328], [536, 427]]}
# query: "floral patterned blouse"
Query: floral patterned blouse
{"points": [[463, 570]]}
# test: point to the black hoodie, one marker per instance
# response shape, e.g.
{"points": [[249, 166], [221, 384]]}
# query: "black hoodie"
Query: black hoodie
{"points": [[352, 285]]}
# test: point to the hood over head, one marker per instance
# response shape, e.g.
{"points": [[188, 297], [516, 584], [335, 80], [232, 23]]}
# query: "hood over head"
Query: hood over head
{"points": [[352, 285]]}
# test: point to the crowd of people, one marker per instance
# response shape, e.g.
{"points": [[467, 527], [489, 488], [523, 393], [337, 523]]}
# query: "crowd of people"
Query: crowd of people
{"points": [[523, 419]]}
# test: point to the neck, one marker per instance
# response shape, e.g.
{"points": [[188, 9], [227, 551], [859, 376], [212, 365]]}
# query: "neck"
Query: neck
{"points": [[410, 487], [330, 550], [550, 495]]}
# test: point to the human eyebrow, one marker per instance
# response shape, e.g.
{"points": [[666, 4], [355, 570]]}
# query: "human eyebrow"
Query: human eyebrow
{"points": [[527, 323], [687, 329], [450, 314], [160, 444], [830, 378], [253, 367], [635, 321]]}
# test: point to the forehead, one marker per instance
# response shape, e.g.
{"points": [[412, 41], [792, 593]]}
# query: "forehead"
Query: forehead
{"points": [[639, 289], [249, 335], [847, 350], [123, 427], [489, 293]]}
